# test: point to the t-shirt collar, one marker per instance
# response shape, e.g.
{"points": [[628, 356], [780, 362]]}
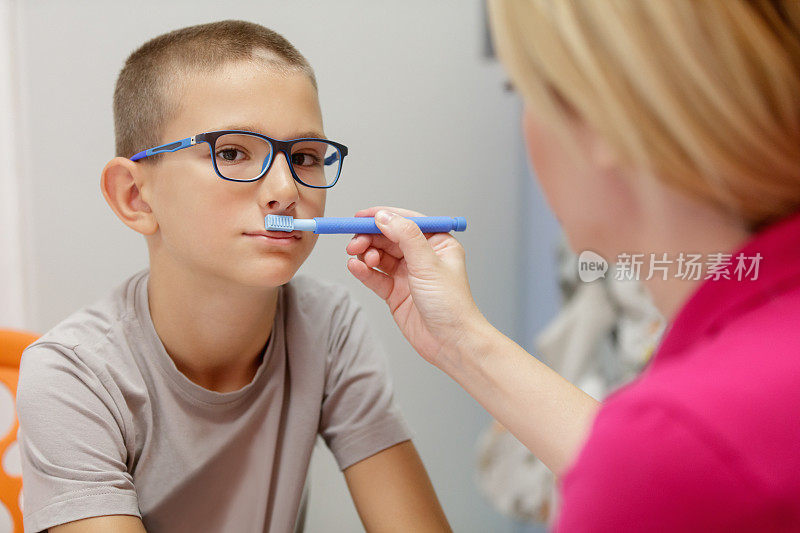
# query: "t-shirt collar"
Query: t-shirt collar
{"points": [[716, 302]]}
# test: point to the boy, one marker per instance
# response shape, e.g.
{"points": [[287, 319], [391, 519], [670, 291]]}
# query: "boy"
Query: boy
{"points": [[190, 399]]}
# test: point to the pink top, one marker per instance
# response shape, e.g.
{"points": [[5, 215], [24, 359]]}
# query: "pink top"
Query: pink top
{"points": [[708, 437]]}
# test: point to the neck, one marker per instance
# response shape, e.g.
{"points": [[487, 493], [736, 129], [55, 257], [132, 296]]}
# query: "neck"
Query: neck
{"points": [[213, 330], [692, 228]]}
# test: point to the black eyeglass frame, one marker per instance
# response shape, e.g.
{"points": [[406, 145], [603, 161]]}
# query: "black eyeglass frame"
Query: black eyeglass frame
{"points": [[276, 145]]}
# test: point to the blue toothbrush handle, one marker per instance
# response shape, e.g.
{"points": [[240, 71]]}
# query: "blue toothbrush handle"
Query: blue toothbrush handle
{"points": [[367, 224]]}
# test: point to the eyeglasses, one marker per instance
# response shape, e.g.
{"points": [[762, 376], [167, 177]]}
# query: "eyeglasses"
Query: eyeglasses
{"points": [[239, 155]]}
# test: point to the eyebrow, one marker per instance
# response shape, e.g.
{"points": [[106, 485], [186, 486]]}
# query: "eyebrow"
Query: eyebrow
{"points": [[251, 127]]}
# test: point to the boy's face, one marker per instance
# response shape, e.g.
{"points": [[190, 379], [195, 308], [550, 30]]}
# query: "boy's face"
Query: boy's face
{"points": [[208, 226]]}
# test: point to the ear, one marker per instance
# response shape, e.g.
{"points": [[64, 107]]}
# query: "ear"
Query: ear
{"points": [[621, 180], [601, 155], [121, 183]]}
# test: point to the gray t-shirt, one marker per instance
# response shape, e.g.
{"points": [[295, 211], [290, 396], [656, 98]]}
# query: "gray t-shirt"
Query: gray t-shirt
{"points": [[109, 425]]}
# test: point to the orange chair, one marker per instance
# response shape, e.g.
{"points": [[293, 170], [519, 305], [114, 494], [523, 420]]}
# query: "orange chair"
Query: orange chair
{"points": [[12, 343]]}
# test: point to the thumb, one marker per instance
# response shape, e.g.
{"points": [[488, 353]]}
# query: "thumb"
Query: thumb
{"points": [[416, 250]]}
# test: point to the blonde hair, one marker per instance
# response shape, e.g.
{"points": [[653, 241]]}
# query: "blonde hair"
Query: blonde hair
{"points": [[145, 96], [705, 94]]}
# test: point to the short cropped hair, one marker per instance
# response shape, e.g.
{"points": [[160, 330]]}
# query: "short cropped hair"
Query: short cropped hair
{"points": [[145, 98]]}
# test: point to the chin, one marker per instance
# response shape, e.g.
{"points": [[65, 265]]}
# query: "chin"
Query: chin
{"points": [[268, 274], [595, 239]]}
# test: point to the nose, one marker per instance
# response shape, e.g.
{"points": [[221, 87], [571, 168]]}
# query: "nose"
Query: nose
{"points": [[278, 191]]}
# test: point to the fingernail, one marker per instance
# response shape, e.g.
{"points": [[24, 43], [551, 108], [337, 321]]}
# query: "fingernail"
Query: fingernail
{"points": [[383, 216]]}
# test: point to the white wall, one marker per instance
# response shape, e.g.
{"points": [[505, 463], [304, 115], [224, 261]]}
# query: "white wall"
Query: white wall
{"points": [[12, 300], [429, 127]]}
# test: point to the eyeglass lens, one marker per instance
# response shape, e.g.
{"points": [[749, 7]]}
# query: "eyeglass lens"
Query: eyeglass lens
{"points": [[243, 157]]}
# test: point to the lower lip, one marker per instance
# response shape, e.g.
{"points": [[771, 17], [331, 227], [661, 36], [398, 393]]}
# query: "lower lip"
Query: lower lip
{"points": [[275, 241]]}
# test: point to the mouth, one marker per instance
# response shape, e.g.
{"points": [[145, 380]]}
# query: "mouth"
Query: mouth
{"points": [[274, 237]]}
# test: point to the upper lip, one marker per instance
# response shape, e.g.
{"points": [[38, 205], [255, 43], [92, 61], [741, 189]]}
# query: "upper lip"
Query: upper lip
{"points": [[275, 234]]}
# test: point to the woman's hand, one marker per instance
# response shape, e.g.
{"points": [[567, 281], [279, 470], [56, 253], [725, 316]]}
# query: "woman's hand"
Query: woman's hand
{"points": [[422, 278]]}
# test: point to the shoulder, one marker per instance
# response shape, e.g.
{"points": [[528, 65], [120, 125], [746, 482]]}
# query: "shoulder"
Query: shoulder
{"points": [[711, 430], [94, 321], [646, 458], [90, 342], [644, 434], [760, 335], [740, 382]]}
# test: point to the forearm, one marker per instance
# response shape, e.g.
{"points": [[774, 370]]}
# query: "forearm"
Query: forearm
{"points": [[547, 413]]}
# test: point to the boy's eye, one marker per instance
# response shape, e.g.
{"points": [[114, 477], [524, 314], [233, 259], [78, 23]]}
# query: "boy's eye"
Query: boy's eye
{"points": [[305, 160], [230, 154]]}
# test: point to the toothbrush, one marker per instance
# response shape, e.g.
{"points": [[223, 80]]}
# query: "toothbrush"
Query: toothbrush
{"points": [[358, 224]]}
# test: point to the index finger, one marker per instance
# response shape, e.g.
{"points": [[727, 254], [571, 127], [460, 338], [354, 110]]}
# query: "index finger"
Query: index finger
{"points": [[362, 242], [370, 211]]}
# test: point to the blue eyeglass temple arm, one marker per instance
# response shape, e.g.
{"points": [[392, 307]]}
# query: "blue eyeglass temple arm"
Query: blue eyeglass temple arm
{"points": [[331, 159], [169, 147]]}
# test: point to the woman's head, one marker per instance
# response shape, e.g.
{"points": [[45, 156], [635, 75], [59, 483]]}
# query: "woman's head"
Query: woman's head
{"points": [[702, 95]]}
